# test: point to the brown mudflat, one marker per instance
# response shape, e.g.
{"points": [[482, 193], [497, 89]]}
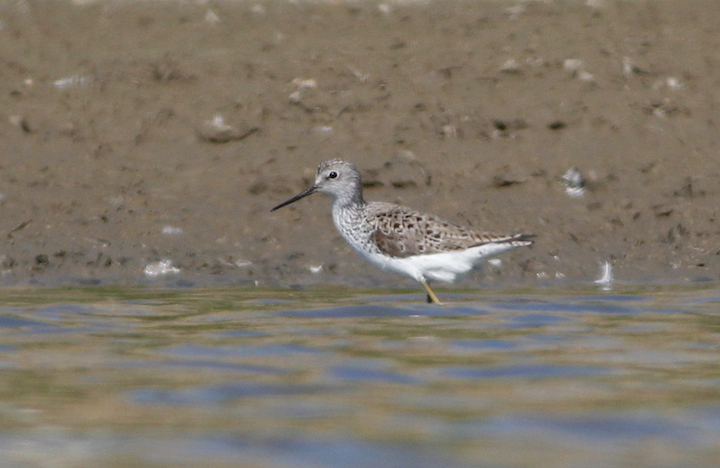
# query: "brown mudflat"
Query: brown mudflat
{"points": [[135, 132]]}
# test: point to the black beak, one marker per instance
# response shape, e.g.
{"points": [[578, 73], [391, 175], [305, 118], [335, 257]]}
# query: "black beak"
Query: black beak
{"points": [[297, 197]]}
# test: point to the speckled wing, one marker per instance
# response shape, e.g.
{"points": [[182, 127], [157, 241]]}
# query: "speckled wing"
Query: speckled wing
{"points": [[402, 232]]}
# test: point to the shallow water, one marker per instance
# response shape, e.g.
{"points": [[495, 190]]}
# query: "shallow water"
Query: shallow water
{"points": [[340, 378]]}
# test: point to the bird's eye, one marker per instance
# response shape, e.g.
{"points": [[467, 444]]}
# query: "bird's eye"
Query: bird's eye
{"points": [[332, 175]]}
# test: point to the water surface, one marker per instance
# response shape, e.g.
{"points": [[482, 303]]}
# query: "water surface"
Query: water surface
{"points": [[342, 378]]}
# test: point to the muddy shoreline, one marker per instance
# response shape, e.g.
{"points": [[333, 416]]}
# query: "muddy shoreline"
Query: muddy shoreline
{"points": [[133, 133]]}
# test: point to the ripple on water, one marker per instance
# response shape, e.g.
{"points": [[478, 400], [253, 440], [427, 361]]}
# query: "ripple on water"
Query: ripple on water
{"points": [[237, 351], [202, 365], [379, 311]]}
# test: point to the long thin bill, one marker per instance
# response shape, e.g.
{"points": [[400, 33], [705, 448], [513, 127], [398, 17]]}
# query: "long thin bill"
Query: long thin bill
{"points": [[297, 197]]}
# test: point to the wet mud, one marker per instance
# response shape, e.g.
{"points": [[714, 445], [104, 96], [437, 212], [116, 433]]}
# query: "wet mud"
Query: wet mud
{"points": [[145, 142]]}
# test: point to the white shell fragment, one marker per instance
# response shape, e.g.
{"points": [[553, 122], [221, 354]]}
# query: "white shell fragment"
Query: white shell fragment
{"points": [[515, 11], [573, 65], [73, 81], [323, 131], [574, 182], [630, 69], [161, 268], [670, 83], [577, 68], [171, 230], [217, 131], [211, 17], [673, 83], [302, 84], [606, 276], [597, 4], [510, 66], [258, 9]]}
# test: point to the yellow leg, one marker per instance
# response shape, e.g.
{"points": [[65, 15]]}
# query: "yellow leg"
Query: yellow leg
{"points": [[430, 294]]}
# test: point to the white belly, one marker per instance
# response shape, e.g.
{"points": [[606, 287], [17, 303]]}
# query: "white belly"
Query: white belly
{"points": [[440, 266]]}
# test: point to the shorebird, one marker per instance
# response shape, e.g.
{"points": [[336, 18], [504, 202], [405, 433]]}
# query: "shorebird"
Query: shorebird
{"points": [[401, 239]]}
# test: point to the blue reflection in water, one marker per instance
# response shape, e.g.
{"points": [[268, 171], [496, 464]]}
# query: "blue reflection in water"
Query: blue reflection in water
{"points": [[368, 375], [65, 309], [497, 345], [610, 426], [332, 452], [221, 393], [522, 371], [597, 307], [17, 322], [240, 334], [537, 320]]}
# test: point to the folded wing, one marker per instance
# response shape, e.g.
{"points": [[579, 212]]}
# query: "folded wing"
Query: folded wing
{"points": [[401, 232]]}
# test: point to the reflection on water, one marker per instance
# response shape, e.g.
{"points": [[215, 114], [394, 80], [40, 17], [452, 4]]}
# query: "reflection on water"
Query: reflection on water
{"points": [[330, 378]]}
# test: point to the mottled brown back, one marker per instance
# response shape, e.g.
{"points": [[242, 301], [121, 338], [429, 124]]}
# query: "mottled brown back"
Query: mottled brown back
{"points": [[402, 232]]}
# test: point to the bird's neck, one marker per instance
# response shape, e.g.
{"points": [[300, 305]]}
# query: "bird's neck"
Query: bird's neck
{"points": [[349, 200]]}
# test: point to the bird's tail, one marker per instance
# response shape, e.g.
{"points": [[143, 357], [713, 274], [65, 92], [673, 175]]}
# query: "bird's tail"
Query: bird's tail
{"points": [[519, 240]]}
